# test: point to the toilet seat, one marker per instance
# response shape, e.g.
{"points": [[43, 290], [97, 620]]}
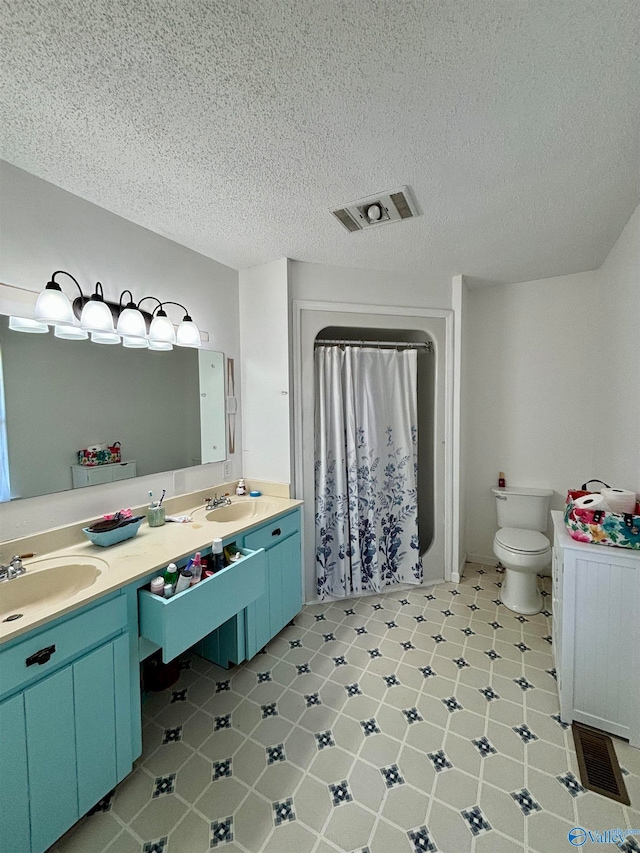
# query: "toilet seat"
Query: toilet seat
{"points": [[522, 541]]}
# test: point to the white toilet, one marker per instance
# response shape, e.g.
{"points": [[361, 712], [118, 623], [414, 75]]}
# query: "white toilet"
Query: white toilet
{"points": [[521, 546]]}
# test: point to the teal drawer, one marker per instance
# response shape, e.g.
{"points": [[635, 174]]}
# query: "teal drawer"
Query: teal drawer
{"points": [[273, 532], [175, 624], [66, 641]]}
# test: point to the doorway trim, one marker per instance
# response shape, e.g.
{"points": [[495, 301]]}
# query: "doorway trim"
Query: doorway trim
{"points": [[451, 393]]}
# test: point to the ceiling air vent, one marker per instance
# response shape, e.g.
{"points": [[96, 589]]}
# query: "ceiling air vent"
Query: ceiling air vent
{"points": [[347, 220], [378, 209]]}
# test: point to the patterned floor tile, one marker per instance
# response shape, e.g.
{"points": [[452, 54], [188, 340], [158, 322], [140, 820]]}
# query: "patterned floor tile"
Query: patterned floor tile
{"points": [[415, 720]]}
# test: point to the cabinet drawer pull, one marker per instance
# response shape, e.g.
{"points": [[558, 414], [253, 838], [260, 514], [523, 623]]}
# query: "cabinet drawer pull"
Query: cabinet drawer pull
{"points": [[41, 656], [276, 532]]}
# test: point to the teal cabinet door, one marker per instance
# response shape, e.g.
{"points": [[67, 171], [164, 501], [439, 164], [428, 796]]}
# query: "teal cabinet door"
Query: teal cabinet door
{"points": [[51, 758], [269, 614], [77, 725], [100, 730], [15, 834], [291, 574]]}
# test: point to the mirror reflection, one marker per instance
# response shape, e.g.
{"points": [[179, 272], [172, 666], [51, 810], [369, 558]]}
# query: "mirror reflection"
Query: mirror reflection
{"points": [[167, 410]]}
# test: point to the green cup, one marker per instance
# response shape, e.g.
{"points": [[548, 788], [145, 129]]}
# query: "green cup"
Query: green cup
{"points": [[155, 516]]}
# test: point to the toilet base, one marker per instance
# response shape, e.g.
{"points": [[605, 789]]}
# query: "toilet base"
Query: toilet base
{"points": [[520, 593]]}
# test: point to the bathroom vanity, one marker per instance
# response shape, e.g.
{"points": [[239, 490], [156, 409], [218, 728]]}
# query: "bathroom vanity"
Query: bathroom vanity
{"points": [[596, 633], [70, 674]]}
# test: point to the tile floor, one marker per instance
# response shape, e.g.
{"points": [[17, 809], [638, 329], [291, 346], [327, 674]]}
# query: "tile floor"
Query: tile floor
{"points": [[410, 721]]}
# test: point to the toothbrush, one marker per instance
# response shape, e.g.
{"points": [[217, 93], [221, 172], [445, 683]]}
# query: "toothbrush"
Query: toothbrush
{"points": [[151, 497], [164, 492]]}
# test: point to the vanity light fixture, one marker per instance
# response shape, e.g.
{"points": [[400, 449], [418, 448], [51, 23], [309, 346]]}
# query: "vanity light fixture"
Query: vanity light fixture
{"points": [[135, 328]]}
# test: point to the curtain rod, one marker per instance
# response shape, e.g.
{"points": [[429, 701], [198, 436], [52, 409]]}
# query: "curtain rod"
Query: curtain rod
{"points": [[428, 345]]}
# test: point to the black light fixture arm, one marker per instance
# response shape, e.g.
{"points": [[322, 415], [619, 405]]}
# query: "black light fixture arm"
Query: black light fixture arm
{"points": [[130, 304], [159, 305], [180, 305], [53, 284]]}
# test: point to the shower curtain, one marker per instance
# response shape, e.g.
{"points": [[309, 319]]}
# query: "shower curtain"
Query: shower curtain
{"points": [[365, 469]]}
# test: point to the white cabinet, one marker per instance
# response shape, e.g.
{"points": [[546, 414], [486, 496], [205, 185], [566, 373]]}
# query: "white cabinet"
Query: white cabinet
{"points": [[596, 633], [96, 475]]}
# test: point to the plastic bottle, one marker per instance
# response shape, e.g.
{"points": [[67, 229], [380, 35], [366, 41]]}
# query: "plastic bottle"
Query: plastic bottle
{"points": [[171, 574], [241, 489], [184, 580], [217, 556], [168, 590], [501, 480], [157, 586], [196, 569]]}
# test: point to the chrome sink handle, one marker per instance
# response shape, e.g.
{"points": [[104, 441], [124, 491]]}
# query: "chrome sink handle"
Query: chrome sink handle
{"points": [[215, 501], [13, 569]]}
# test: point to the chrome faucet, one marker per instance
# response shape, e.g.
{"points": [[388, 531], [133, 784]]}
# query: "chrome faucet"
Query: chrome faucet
{"points": [[13, 569], [215, 501]]}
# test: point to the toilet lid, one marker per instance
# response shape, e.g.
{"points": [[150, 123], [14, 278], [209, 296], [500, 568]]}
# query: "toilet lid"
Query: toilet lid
{"points": [[524, 541]]}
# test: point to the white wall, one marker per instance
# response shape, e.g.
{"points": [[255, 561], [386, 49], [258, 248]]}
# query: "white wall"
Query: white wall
{"points": [[43, 229], [530, 393], [552, 387], [368, 287], [266, 397], [619, 325]]}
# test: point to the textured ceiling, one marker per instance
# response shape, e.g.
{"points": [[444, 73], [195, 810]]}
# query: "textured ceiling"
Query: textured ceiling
{"points": [[233, 127]]}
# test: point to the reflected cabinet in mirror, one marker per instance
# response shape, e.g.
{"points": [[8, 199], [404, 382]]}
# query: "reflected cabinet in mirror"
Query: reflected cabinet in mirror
{"points": [[167, 409]]}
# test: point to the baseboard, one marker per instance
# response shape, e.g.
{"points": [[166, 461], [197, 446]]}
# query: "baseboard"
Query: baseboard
{"points": [[482, 560], [456, 577]]}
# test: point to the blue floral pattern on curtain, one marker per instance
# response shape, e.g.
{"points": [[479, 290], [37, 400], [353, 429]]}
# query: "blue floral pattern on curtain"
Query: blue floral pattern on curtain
{"points": [[366, 470]]}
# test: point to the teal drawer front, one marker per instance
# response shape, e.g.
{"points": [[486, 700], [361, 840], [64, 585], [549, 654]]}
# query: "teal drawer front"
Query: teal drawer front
{"points": [[176, 624], [273, 532], [66, 640]]}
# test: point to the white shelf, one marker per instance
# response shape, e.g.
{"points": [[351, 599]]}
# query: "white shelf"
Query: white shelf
{"points": [[96, 475]]}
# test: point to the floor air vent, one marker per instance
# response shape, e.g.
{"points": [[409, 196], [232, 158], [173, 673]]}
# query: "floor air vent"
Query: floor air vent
{"points": [[599, 768], [391, 206]]}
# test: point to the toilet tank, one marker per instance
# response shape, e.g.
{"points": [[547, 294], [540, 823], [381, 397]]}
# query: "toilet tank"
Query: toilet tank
{"points": [[523, 507]]}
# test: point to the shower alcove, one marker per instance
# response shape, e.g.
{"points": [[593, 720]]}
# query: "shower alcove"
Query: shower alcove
{"points": [[428, 337]]}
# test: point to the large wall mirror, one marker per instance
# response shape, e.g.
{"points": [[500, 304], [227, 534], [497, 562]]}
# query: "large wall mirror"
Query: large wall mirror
{"points": [[167, 409]]}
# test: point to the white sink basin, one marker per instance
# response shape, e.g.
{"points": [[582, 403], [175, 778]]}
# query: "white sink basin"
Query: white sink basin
{"points": [[48, 583], [242, 510]]}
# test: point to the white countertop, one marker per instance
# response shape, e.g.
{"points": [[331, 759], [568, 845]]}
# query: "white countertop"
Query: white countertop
{"points": [[149, 551]]}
